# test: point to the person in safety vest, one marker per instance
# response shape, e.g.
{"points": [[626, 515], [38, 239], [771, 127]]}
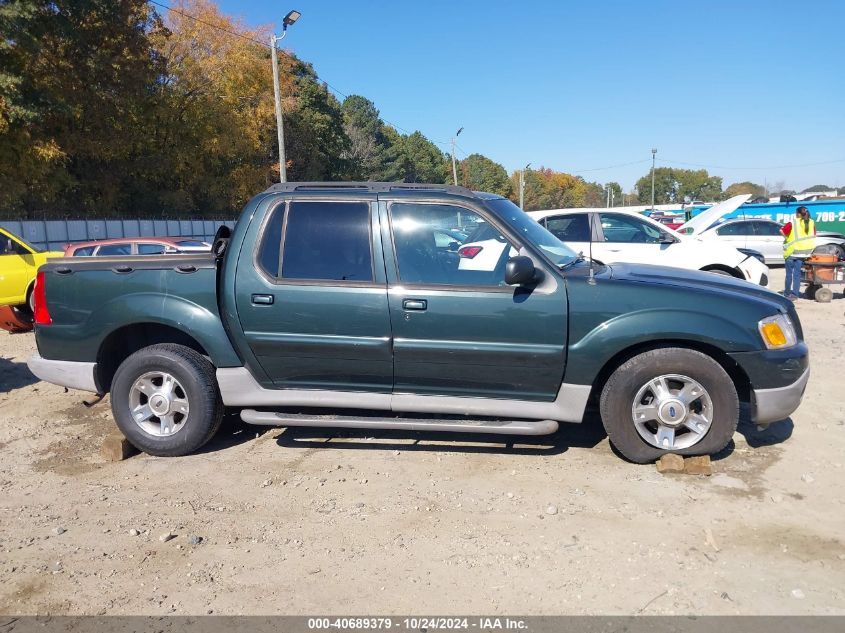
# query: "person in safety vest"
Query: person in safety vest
{"points": [[799, 242]]}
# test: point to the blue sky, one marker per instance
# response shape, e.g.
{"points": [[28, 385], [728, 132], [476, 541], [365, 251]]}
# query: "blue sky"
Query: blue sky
{"points": [[582, 85]]}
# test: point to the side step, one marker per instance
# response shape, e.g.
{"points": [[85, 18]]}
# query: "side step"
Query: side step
{"points": [[501, 427]]}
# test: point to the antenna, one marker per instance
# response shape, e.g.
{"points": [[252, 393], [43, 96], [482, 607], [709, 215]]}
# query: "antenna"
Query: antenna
{"points": [[592, 279]]}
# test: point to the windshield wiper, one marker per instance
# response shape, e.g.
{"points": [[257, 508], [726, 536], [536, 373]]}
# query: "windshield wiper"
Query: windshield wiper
{"points": [[572, 262]]}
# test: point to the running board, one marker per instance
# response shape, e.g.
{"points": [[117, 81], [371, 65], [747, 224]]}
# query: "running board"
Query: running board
{"points": [[500, 427]]}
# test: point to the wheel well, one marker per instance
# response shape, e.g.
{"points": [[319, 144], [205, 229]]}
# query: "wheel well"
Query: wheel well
{"points": [[731, 367], [125, 341], [733, 272]]}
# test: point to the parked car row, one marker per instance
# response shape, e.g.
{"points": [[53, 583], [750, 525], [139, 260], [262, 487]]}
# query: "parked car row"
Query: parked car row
{"points": [[136, 246], [19, 262]]}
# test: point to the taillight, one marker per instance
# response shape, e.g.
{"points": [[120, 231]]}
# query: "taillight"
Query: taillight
{"points": [[42, 314], [468, 252]]}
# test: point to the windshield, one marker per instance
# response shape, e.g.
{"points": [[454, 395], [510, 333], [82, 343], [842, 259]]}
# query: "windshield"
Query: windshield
{"points": [[555, 250]]}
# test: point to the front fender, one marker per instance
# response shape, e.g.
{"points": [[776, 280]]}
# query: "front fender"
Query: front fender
{"points": [[589, 354]]}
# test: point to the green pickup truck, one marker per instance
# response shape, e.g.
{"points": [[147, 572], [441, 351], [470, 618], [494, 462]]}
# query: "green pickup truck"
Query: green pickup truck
{"points": [[374, 305]]}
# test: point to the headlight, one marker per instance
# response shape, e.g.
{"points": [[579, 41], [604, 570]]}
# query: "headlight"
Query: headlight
{"points": [[777, 331]]}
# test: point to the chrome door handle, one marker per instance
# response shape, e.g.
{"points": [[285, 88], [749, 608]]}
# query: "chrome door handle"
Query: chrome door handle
{"points": [[262, 300], [414, 304]]}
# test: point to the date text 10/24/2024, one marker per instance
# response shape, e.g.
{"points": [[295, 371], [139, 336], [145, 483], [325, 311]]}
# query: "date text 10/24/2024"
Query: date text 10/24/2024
{"points": [[418, 624]]}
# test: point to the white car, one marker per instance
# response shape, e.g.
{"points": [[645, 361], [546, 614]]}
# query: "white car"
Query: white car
{"points": [[761, 235], [620, 236]]}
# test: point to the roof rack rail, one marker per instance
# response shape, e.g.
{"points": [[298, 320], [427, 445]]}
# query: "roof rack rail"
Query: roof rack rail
{"points": [[375, 187]]}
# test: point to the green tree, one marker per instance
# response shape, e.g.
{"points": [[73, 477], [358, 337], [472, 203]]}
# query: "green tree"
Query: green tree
{"points": [[818, 188], [594, 194], [368, 142], [739, 188], [318, 144], [413, 158], [615, 190], [479, 173], [674, 186], [77, 92], [548, 189]]}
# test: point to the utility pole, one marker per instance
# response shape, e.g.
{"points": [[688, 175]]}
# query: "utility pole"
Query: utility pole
{"points": [[522, 186], [289, 19], [653, 158], [454, 164]]}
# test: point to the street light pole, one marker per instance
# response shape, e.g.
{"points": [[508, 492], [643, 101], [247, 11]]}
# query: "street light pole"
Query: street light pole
{"points": [[454, 164], [653, 158], [522, 186], [289, 19]]}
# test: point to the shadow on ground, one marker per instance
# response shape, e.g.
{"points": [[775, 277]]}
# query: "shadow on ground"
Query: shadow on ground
{"points": [[14, 375], [234, 432]]}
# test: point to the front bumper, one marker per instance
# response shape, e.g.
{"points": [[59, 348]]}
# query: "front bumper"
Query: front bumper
{"points": [[755, 271], [65, 373], [772, 405]]}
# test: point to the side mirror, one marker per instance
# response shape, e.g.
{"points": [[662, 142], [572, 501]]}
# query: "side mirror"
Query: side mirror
{"points": [[519, 270], [665, 238]]}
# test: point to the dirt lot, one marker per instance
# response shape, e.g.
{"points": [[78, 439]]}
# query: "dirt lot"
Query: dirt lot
{"points": [[311, 521]]}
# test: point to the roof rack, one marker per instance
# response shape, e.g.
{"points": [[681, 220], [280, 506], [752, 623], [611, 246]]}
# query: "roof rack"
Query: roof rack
{"points": [[375, 187]]}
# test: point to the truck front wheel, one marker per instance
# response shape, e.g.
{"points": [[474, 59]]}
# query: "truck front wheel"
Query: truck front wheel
{"points": [[669, 400], [165, 400]]}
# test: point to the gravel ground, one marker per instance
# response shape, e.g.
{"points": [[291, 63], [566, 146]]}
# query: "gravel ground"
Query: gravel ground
{"points": [[286, 521]]}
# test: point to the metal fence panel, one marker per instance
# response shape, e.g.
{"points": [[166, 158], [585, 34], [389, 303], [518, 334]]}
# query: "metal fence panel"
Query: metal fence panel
{"points": [[54, 234], [131, 228], [77, 231], [96, 229]]}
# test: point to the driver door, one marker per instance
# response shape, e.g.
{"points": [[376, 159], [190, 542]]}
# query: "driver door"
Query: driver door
{"points": [[14, 271], [458, 329]]}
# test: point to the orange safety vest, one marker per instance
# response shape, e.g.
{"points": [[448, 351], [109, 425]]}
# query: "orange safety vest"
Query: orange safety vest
{"points": [[800, 242]]}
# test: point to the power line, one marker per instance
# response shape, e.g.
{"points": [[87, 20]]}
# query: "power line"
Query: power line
{"points": [[678, 162], [635, 162]]}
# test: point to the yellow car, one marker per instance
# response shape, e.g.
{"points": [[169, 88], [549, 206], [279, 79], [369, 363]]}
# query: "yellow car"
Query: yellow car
{"points": [[18, 264]]}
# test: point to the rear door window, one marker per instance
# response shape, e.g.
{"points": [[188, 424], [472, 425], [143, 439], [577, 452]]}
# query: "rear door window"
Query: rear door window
{"points": [[114, 249], [574, 227], [736, 228], [629, 229], [151, 249], [767, 229], [321, 241], [85, 251]]}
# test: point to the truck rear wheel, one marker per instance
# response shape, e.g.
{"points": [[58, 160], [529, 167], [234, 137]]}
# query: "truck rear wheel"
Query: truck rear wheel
{"points": [[165, 400], [669, 400]]}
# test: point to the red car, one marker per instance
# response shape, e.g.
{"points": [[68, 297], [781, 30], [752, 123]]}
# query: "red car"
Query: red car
{"points": [[136, 246]]}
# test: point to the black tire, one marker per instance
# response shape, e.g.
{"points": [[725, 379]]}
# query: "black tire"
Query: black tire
{"points": [[620, 391], [195, 375]]}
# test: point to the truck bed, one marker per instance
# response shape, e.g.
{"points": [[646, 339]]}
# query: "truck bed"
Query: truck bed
{"points": [[89, 298]]}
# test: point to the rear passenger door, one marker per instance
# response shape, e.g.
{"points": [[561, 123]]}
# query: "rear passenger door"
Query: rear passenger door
{"points": [[628, 238], [736, 234], [573, 229], [312, 297], [768, 240]]}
